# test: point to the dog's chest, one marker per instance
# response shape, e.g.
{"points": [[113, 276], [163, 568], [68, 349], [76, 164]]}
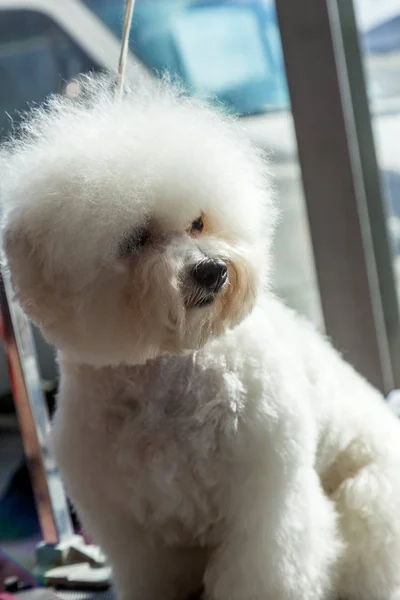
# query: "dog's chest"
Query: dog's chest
{"points": [[171, 432]]}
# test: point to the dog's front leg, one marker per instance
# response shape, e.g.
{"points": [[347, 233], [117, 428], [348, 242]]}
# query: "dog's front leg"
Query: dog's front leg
{"points": [[280, 540], [150, 571], [143, 567]]}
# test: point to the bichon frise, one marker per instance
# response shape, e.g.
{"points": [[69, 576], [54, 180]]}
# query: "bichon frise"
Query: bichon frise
{"points": [[206, 434]]}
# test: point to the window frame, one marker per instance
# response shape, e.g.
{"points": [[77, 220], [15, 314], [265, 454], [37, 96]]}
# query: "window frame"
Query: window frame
{"points": [[341, 185]]}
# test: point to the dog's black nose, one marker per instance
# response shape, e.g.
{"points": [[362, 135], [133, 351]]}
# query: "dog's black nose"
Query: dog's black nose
{"points": [[210, 274]]}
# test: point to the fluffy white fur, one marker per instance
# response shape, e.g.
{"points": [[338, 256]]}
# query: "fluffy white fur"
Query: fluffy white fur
{"points": [[224, 445]]}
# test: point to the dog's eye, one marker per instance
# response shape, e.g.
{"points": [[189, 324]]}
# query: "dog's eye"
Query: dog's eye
{"points": [[197, 226], [134, 242]]}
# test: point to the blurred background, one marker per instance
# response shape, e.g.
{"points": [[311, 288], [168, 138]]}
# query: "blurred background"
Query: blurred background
{"points": [[229, 51]]}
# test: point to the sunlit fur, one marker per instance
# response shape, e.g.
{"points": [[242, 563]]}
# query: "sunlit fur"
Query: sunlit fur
{"points": [[206, 438]]}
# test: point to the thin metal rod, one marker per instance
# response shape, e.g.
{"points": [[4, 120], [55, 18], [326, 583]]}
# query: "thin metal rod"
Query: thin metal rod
{"points": [[129, 7], [333, 185], [33, 419]]}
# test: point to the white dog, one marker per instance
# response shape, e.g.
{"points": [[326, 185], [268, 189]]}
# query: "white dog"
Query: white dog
{"points": [[206, 434]]}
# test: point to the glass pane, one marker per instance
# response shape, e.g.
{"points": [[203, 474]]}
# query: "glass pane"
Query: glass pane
{"points": [[379, 27]]}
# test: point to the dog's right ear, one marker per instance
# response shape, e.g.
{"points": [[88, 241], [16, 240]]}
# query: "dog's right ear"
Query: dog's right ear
{"points": [[34, 281], [25, 265]]}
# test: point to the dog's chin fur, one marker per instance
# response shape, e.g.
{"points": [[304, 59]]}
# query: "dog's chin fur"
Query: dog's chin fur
{"points": [[205, 433], [88, 173]]}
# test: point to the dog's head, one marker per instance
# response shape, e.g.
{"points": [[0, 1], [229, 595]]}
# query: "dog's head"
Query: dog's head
{"points": [[135, 227]]}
